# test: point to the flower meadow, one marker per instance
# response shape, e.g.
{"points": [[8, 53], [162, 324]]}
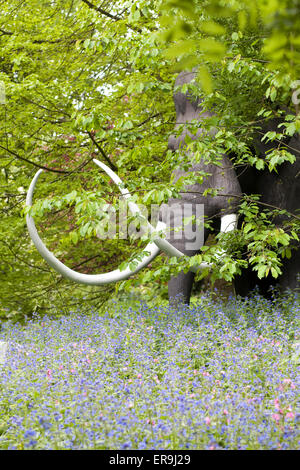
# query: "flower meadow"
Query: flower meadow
{"points": [[213, 375]]}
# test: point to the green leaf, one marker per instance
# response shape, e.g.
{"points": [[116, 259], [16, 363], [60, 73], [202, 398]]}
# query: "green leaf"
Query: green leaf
{"points": [[213, 50], [74, 237], [204, 78]]}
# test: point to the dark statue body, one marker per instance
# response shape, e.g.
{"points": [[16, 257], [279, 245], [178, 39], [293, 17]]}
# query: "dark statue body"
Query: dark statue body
{"points": [[222, 176], [277, 189]]}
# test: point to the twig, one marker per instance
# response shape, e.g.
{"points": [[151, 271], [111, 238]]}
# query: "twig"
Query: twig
{"points": [[16, 155], [112, 166], [109, 15]]}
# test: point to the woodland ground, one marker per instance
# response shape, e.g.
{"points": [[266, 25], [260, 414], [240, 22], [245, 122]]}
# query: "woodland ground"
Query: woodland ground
{"points": [[213, 376]]}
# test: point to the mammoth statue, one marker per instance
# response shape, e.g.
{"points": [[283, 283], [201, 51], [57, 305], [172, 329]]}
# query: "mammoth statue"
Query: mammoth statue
{"points": [[221, 176], [281, 189]]}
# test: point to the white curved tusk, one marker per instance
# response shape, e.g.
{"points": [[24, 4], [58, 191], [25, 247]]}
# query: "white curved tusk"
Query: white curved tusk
{"points": [[90, 279], [228, 222], [164, 245]]}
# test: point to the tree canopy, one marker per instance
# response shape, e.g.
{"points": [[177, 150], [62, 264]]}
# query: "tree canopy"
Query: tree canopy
{"points": [[82, 79]]}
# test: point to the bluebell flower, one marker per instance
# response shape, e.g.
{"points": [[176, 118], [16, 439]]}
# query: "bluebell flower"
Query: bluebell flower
{"points": [[45, 423], [29, 433]]}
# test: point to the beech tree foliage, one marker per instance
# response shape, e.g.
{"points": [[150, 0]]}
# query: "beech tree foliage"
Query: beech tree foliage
{"points": [[82, 79]]}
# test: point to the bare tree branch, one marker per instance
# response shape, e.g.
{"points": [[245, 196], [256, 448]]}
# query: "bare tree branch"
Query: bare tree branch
{"points": [[112, 166], [8, 33], [109, 15], [42, 167], [100, 10], [16, 155]]}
